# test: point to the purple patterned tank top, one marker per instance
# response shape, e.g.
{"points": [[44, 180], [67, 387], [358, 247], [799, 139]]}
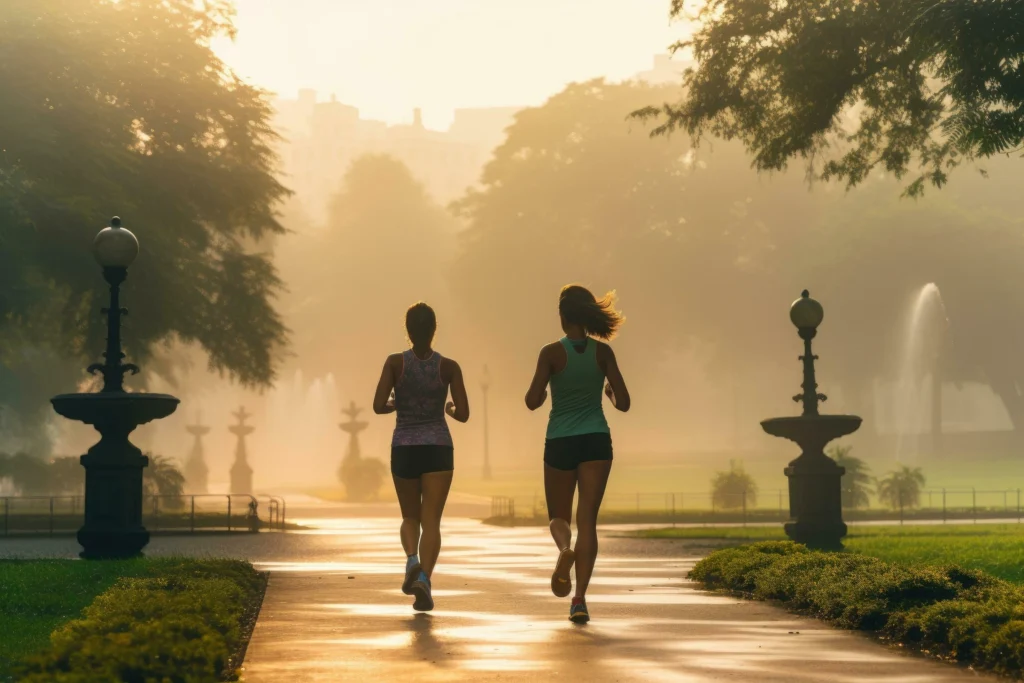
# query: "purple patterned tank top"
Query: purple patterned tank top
{"points": [[420, 395]]}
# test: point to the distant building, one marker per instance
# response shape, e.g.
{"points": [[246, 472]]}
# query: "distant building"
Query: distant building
{"points": [[666, 70], [321, 139]]}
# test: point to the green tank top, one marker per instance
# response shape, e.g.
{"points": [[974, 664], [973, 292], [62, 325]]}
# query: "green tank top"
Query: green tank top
{"points": [[576, 392]]}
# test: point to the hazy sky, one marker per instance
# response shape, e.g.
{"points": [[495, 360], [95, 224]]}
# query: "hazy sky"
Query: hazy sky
{"points": [[389, 56]]}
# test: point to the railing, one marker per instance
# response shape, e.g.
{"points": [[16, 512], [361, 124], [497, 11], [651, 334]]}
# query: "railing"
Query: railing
{"points": [[945, 505], [503, 507], [194, 513]]}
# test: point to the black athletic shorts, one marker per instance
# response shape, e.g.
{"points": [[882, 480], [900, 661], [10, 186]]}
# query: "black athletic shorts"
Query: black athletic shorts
{"points": [[567, 452], [412, 462]]}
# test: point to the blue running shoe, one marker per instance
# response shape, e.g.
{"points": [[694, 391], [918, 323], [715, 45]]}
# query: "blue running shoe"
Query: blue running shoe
{"points": [[421, 589], [578, 612], [412, 570]]}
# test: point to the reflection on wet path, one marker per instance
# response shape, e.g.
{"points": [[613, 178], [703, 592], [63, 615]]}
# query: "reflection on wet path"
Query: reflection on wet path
{"points": [[334, 612]]}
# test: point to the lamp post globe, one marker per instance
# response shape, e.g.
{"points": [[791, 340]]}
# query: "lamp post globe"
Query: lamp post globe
{"points": [[115, 247], [806, 313]]}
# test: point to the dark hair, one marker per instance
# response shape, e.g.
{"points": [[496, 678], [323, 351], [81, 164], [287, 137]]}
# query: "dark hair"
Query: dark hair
{"points": [[598, 317], [420, 324]]}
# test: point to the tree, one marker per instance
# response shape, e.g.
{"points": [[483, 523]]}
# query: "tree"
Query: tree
{"points": [[911, 86], [386, 246], [902, 488], [122, 107], [733, 489], [856, 481], [163, 478]]}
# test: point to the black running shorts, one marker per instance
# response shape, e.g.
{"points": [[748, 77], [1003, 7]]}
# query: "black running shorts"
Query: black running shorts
{"points": [[567, 452], [412, 462]]}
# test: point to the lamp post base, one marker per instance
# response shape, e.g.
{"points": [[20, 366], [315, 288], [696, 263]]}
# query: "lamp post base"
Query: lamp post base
{"points": [[815, 480], [820, 536], [110, 544], [113, 468]]}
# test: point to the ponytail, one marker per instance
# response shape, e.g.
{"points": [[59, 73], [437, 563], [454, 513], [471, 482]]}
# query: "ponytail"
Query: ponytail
{"points": [[598, 317]]}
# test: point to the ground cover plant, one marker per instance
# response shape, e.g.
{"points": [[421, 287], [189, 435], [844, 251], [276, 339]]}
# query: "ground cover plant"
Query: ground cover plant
{"points": [[961, 614], [997, 549], [166, 619]]}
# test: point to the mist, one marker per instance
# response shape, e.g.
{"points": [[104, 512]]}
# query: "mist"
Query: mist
{"points": [[486, 211]]}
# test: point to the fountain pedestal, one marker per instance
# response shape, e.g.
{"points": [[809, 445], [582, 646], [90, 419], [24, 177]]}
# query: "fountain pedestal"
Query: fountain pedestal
{"points": [[241, 472], [815, 480], [113, 468]]}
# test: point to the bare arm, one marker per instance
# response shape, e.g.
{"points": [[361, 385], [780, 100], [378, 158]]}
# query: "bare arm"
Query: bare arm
{"points": [[458, 407], [616, 389], [382, 399], [538, 392]]}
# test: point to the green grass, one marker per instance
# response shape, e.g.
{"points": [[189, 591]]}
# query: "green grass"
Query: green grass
{"points": [[951, 612], [997, 549], [37, 597]]}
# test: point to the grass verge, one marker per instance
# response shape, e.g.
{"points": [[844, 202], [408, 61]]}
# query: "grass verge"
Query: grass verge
{"points": [[951, 612], [997, 549], [165, 619]]}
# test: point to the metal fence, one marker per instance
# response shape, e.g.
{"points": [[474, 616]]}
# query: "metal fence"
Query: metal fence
{"points": [[941, 504], [58, 515]]}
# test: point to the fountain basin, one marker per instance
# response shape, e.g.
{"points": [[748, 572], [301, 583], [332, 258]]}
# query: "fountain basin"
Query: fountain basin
{"points": [[812, 432], [123, 408]]}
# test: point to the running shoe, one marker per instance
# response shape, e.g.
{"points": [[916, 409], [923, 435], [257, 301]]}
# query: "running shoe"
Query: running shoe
{"points": [[578, 612], [421, 589], [412, 570], [561, 578]]}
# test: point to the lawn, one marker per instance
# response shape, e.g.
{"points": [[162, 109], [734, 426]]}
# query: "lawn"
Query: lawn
{"points": [[39, 597], [997, 549]]}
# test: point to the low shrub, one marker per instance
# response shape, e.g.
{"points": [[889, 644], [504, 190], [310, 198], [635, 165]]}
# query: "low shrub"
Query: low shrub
{"points": [[949, 611], [185, 624]]}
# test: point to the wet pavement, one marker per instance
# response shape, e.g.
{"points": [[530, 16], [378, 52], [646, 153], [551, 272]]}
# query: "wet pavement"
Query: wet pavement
{"points": [[334, 612]]}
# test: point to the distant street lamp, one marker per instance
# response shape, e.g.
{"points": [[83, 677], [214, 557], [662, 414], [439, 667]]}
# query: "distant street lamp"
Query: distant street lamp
{"points": [[815, 480], [485, 384], [113, 467]]}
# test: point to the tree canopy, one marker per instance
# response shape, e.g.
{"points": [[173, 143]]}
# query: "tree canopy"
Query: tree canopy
{"points": [[385, 247], [123, 108], [910, 86]]}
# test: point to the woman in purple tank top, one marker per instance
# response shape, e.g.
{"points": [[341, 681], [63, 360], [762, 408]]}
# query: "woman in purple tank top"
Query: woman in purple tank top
{"points": [[415, 385]]}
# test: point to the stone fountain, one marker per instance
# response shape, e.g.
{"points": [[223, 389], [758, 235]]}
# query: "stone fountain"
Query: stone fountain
{"points": [[196, 472], [815, 480], [241, 471], [113, 467]]}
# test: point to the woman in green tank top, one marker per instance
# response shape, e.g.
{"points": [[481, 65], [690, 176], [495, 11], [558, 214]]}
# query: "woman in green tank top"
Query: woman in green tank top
{"points": [[578, 448]]}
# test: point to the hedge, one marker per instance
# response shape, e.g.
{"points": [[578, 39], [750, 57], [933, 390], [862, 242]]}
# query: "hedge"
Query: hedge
{"points": [[955, 613], [187, 624]]}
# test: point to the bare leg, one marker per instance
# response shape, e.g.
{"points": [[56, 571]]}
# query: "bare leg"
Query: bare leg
{"points": [[435, 494], [593, 477], [408, 491], [559, 490]]}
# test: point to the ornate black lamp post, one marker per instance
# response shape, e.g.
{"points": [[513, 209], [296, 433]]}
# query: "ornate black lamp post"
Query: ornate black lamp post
{"points": [[113, 467], [815, 493]]}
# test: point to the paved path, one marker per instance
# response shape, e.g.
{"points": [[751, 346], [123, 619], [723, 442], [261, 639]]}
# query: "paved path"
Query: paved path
{"points": [[336, 614]]}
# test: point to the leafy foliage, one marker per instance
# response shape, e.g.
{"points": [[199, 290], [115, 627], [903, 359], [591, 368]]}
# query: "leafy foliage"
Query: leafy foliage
{"points": [[910, 86], [856, 482], [123, 108], [948, 611], [32, 475], [184, 621], [733, 489], [902, 488]]}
